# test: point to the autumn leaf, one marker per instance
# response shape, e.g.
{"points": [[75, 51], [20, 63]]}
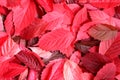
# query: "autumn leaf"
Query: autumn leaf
{"points": [[23, 16], [54, 70], [56, 40], [107, 72], [36, 28], [102, 32], [71, 71], [30, 59]]}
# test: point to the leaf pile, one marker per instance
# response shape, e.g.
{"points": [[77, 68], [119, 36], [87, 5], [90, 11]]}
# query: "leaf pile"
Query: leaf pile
{"points": [[59, 39]]}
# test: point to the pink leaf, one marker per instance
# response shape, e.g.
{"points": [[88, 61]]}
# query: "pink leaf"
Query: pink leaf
{"points": [[9, 27], [9, 48], [79, 18], [110, 47], [23, 16], [76, 56], [30, 59], [32, 75], [71, 71], [98, 15], [1, 24], [36, 28], [61, 15], [86, 76], [23, 75], [54, 70], [107, 72], [56, 40]]}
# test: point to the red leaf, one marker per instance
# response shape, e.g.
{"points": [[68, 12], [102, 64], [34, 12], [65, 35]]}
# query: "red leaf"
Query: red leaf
{"points": [[30, 59], [76, 56], [107, 72], [23, 16], [98, 15], [3, 10], [79, 18], [9, 27], [9, 48], [54, 70], [13, 3], [9, 69], [117, 63], [46, 4], [60, 16], [3, 37], [110, 47], [71, 71], [1, 24], [94, 61], [86, 76], [104, 3], [36, 28], [56, 40]]}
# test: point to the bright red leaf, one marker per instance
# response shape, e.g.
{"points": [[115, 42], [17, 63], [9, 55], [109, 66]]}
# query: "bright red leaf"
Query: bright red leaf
{"points": [[9, 69], [23, 16], [56, 40]]}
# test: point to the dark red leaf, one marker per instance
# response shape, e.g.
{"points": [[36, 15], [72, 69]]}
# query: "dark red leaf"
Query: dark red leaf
{"points": [[94, 61], [30, 59], [36, 28]]}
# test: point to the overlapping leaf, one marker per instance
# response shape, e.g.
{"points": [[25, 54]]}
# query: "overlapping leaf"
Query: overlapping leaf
{"points": [[23, 16], [54, 70], [107, 72], [9, 48], [30, 59], [56, 40], [71, 71], [102, 32], [9, 69], [36, 28]]}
